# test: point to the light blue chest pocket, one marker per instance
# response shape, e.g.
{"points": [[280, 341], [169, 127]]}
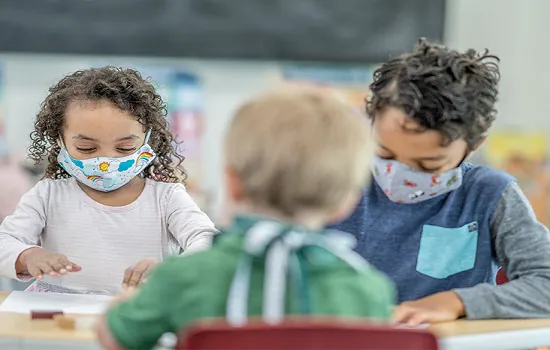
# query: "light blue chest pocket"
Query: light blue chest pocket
{"points": [[447, 251]]}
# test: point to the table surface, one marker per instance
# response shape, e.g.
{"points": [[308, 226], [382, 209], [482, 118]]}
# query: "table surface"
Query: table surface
{"points": [[14, 325]]}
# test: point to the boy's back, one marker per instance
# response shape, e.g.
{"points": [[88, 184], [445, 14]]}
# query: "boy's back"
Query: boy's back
{"points": [[189, 288], [296, 160]]}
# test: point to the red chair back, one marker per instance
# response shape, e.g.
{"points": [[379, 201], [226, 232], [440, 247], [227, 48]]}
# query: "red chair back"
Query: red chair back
{"points": [[501, 277], [304, 335]]}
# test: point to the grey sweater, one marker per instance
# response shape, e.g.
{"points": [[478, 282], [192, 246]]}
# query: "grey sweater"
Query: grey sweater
{"points": [[522, 246]]}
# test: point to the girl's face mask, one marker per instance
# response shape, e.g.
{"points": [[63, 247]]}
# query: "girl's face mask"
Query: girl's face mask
{"points": [[107, 174], [403, 184]]}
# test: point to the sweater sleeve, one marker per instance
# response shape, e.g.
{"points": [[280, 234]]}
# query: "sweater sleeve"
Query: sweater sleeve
{"points": [[522, 246], [21, 230], [191, 227], [140, 322]]}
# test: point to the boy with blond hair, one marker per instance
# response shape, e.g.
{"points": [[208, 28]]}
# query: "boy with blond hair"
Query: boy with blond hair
{"points": [[296, 161]]}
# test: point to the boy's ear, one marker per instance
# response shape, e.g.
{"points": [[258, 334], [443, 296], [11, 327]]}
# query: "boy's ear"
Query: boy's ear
{"points": [[233, 184], [479, 143], [475, 147]]}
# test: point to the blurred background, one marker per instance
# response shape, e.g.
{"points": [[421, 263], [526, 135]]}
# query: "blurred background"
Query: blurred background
{"points": [[208, 56]]}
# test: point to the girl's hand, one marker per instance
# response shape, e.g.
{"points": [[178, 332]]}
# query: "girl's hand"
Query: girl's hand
{"points": [[136, 274], [124, 295], [38, 262]]}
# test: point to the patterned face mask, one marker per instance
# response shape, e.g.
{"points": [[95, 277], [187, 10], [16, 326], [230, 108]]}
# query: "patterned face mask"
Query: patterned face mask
{"points": [[104, 173], [403, 184]]}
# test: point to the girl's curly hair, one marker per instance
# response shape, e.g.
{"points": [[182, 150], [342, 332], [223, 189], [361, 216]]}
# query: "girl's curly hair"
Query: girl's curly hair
{"points": [[441, 89], [127, 90]]}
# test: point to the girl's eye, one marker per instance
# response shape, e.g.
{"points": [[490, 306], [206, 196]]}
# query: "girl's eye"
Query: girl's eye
{"points": [[126, 150], [85, 150]]}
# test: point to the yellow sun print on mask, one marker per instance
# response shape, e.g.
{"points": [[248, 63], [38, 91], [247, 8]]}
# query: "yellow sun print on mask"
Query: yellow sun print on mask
{"points": [[104, 166]]}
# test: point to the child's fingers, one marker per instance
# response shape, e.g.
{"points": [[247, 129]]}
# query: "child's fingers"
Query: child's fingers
{"points": [[136, 278], [403, 313], [139, 273], [65, 262], [127, 276], [59, 268], [35, 272], [47, 269], [135, 275], [75, 268], [417, 319]]}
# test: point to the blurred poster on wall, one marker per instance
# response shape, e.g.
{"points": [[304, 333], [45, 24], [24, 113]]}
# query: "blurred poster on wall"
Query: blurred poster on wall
{"points": [[183, 93], [350, 83], [3, 146], [185, 114], [524, 155]]}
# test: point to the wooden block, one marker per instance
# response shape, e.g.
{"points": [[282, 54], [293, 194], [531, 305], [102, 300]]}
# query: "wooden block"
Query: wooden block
{"points": [[75, 322], [45, 315], [65, 322]]}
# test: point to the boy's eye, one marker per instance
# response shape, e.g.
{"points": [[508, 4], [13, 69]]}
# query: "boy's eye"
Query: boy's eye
{"points": [[429, 170], [381, 153]]}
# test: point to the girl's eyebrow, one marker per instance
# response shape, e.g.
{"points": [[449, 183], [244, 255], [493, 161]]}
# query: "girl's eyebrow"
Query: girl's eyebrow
{"points": [[129, 138], [83, 137], [88, 138]]}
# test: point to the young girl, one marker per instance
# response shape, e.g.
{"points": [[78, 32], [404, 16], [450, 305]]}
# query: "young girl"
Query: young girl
{"points": [[111, 203]]}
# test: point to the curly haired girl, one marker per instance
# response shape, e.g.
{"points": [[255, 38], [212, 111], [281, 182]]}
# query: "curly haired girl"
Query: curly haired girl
{"points": [[112, 202]]}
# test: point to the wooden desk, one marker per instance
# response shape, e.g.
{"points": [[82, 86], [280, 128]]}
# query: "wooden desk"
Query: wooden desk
{"points": [[493, 334], [18, 332], [470, 335]]}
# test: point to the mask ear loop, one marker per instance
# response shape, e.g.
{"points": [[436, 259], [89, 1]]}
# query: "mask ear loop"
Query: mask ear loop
{"points": [[61, 143], [147, 135]]}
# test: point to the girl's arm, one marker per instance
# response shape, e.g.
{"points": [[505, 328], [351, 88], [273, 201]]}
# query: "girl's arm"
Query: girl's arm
{"points": [[187, 223], [21, 230]]}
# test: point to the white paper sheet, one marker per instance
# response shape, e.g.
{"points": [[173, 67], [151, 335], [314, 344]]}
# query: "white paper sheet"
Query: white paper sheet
{"points": [[25, 302], [420, 326]]}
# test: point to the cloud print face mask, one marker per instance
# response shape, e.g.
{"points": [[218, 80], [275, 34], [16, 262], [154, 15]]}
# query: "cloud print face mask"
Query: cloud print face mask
{"points": [[107, 174]]}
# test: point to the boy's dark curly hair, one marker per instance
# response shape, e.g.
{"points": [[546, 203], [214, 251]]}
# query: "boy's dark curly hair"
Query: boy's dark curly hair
{"points": [[127, 90], [441, 89]]}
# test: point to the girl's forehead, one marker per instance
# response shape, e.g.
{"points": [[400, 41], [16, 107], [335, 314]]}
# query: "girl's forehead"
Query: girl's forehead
{"points": [[100, 120]]}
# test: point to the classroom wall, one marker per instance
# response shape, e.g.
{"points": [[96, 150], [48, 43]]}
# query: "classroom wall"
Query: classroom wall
{"points": [[515, 30], [226, 84]]}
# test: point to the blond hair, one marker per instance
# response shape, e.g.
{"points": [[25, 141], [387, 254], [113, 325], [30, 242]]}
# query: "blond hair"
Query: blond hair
{"points": [[299, 150]]}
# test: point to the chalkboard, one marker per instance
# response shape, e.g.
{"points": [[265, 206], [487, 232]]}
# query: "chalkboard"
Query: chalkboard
{"points": [[315, 30]]}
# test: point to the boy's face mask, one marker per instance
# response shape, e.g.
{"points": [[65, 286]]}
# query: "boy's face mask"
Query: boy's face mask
{"points": [[107, 174], [403, 184]]}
